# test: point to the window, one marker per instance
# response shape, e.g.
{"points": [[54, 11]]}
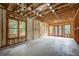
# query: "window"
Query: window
{"points": [[67, 29], [22, 28], [13, 28]]}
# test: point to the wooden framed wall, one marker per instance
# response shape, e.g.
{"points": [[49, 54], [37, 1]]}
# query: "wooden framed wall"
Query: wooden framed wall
{"points": [[66, 17], [17, 39], [62, 24], [36, 29], [41, 29]]}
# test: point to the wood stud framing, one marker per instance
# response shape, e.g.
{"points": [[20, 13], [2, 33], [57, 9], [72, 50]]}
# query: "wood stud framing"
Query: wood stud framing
{"points": [[67, 13]]}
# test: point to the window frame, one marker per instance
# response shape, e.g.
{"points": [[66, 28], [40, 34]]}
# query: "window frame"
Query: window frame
{"points": [[25, 28], [69, 35], [18, 27], [10, 28]]}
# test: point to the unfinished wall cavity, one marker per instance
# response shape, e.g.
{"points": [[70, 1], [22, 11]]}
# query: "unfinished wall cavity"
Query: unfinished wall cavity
{"points": [[29, 29], [43, 29], [2, 27], [36, 29]]}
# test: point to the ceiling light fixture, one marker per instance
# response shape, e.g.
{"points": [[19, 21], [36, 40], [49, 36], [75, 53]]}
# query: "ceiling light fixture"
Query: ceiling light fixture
{"points": [[40, 15], [53, 10], [18, 10], [21, 13], [50, 7], [48, 4]]}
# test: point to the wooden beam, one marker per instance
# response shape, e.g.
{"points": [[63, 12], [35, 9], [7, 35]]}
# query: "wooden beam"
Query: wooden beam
{"points": [[16, 8], [32, 10], [3, 6], [14, 14], [11, 6], [63, 6], [71, 6], [55, 5], [25, 9]]}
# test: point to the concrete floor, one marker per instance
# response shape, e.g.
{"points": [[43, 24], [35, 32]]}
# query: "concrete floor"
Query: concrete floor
{"points": [[47, 46]]}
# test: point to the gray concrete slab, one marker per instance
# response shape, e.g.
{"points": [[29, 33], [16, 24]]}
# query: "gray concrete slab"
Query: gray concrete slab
{"points": [[47, 46]]}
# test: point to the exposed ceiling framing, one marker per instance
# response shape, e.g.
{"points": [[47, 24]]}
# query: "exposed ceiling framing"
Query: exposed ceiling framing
{"points": [[42, 11]]}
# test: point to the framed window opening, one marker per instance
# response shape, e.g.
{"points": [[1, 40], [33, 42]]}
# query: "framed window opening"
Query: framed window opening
{"points": [[16, 28], [67, 30], [22, 28], [13, 28]]}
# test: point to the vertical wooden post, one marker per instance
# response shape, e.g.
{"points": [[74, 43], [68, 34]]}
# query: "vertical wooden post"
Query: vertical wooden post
{"points": [[7, 27], [0, 27], [18, 28], [33, 28]]}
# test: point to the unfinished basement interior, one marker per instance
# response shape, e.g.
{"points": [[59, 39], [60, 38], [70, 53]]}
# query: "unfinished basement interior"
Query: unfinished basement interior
{"points": [[39, 29]]}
